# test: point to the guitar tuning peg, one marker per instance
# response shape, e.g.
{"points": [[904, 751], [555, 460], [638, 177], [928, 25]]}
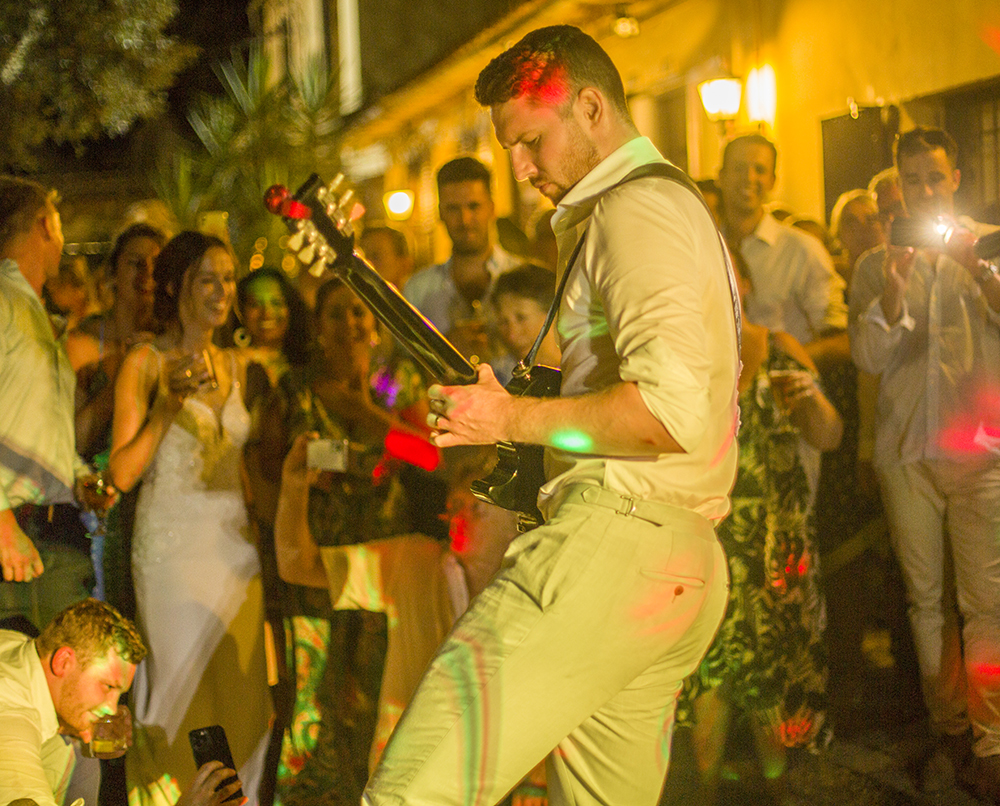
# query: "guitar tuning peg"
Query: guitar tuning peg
{"points": [[334, 185], [357, 211], [308, 254], [324, 252], [295, 240], [318, 269], [346, 200]]}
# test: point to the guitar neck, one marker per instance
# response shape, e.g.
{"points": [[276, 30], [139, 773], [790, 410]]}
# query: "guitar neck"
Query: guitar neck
{"points": [[424, 342], [315, 215]]}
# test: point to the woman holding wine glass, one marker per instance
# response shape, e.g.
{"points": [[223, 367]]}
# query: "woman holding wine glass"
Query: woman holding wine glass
{"points": [[179, 424], [768, 657]]}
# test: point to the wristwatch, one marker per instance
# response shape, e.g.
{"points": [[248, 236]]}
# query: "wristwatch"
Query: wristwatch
{"points": [[987, 271]]}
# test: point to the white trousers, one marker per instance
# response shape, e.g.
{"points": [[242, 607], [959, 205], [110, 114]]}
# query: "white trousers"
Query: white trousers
{"points": [[578, 646], [930, 505]]}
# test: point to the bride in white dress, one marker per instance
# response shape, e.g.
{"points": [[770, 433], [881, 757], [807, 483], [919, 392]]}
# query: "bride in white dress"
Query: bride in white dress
{"points": [[179, 425]]}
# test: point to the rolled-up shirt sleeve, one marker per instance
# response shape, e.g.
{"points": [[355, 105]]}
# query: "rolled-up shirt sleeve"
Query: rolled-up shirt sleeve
{"points": [[873, 339], [650, 278]]}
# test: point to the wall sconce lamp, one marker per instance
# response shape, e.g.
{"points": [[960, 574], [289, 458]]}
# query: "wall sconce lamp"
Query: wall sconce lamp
{"points": [[721, 98], [625, 25], [398, 204]]}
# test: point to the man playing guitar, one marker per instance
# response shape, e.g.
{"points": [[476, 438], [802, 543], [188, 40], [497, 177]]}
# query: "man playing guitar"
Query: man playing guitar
{"points": [[582, 640]]}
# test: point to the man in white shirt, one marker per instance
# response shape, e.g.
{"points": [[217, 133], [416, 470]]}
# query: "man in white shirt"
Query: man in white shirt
{"points": [[454, 295], [57, 686], [580, 643], [925, 317], [795, 287], [39, 466], [793, 284]]}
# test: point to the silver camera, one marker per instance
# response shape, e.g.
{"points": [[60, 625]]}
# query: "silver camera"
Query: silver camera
{"points": [[327, 454]]}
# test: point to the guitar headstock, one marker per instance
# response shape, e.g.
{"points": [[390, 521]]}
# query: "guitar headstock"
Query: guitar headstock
{"points": [[321, 218]]}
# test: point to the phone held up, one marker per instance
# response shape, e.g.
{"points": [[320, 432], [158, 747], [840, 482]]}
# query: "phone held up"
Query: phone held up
{"points": [[210, 744], [327, 454], [921, 233]]}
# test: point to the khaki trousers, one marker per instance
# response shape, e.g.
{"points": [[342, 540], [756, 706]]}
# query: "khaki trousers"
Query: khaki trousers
{"points": [[578, 646], [924, 502]]}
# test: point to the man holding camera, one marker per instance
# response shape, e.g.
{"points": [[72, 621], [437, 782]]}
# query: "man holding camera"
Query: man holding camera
{"points": [[924, 314]]}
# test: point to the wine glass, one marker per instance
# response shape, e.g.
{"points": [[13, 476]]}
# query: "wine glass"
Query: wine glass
{"points": [[782, 373], [97, 498]]}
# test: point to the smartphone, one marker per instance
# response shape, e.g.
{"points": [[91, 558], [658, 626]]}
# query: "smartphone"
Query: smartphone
{"points": [[210, 744], [327, 454], [918, 233]]}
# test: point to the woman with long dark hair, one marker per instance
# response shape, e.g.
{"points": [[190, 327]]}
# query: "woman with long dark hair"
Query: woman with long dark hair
{"points": [[180, 424]]}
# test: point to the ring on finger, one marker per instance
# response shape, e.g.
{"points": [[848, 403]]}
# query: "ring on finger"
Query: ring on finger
{"points": [[188, 373]]}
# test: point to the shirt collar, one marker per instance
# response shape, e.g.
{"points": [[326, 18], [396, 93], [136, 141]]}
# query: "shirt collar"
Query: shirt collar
{"points": [[768, 229], [495, 264], [12, 271], [612, 169]]}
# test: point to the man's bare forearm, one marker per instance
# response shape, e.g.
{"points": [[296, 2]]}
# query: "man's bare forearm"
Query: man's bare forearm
{"points": [[612, 422]]}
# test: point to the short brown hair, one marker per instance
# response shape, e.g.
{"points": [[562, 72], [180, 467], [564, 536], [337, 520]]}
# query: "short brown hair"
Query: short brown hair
{"points": [[923, 139], [551, 64], [20, 201], [528, 281], [92, 628], [463, 169], [753, 139], [398, 240]]}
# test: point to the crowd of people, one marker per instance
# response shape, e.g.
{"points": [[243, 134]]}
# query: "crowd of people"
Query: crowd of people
{"points": [[279, 497]]}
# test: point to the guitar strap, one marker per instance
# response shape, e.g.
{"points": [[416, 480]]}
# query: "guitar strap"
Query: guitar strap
{"points": [[674, 174]]}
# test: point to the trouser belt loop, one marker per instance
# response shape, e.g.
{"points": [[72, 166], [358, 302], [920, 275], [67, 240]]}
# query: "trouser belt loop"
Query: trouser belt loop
{"points": [[654, 512]]}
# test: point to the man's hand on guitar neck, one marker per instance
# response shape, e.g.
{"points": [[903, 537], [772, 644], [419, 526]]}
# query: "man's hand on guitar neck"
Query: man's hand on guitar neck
{"points": [[471, 415]]}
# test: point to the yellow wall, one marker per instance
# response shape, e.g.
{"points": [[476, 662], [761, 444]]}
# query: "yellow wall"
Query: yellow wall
{"points": [[826, 52], [823, 53]]}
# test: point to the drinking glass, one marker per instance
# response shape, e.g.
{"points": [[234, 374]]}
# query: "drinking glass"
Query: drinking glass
{"points": [[112, 734]]}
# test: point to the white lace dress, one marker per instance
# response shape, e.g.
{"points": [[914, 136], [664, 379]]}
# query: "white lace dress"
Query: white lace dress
{"points": [[200, 608]]}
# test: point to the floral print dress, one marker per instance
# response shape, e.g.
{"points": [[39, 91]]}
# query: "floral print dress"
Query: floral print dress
{"points": [[769, 650], [337, 656]]}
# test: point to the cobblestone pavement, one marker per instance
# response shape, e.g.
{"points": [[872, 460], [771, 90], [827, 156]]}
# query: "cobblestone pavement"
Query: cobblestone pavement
{"points": [[876, 710]]}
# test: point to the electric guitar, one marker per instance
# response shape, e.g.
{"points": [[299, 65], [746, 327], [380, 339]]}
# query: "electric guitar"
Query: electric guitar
{"points": [[320, 218]]}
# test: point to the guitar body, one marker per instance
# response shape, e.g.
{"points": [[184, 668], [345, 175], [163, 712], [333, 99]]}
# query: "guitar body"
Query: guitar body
{"points": [[520, 469], [325, 230]]}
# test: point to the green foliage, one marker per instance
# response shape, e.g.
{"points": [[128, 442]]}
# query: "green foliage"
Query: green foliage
{"points": [[263, 131], [74, 69]]}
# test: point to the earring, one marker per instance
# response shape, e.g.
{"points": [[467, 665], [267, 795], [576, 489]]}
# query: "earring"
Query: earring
{"points": [[241, 338]]}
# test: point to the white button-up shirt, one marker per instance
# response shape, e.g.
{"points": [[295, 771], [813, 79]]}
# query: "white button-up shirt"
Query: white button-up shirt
{"points": [[38, 460], [649, 302], [35, 761], [940, 362], [795, 287]]}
